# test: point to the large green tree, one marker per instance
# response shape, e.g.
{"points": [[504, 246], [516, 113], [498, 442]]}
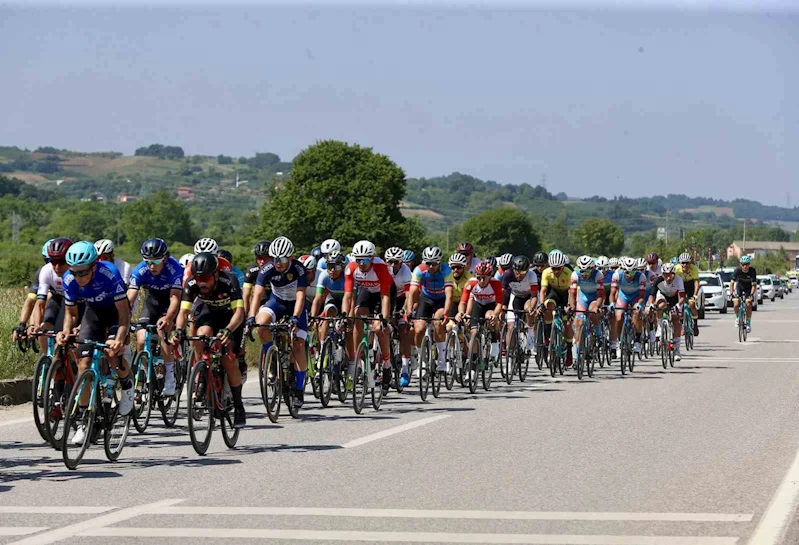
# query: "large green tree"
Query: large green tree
{"points": [[343, 191], [598, 236], [162, 215], [501, 230]]}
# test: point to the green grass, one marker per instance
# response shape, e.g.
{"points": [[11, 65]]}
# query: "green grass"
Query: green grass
{"points": [[13, 363]]}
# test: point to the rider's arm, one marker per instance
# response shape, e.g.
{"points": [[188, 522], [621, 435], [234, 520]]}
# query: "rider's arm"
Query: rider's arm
{"points": [[70, 319], [132, 295], [180, 321], [123, 317], [447, 300], [238, 317], [299, 304], [27, 309], [410, 299], [317, 302], [174, 304]]}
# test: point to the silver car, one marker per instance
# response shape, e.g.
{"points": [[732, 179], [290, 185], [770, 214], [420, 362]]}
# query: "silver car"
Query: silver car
{"points": [[716, 293]]}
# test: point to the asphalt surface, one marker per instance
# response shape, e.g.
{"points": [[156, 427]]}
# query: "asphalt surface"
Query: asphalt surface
{"points": [[690, 455]]}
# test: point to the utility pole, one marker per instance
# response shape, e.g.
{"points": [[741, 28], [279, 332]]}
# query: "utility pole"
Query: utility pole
{"points": [[14, 227], [743, 250]]}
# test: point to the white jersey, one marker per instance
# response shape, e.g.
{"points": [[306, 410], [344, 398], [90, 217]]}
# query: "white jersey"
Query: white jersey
{"points": [[475, 262], [48, 279], [670, 289], [124, 269], [402, 280], [657, 270]]}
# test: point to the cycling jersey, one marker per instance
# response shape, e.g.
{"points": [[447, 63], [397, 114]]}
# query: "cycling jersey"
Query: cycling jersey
{"points": [[744, 279], [524, 288], [458, 285], [225, 297], [170, 277], [590, 286], [499, 274], [559, 283], [238, 273], [49, 281], [432, 285], [327, 286], [103, 291], [669, 289], [689, 273], [34, 288], [284, 284], [124, 269], [629, 289], [492, 293], [376, 280], [402, 279], [475, 262]]}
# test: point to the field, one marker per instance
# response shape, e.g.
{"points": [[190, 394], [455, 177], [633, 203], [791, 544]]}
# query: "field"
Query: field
{"points": [[13, 364]]}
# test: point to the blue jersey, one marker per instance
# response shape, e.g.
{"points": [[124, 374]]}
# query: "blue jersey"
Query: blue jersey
{"points": [[608, 279], [284, 284], [588, 286], [104, 290], [629, 288], [170, 277], [238, 273], [333, 287], [432, 285]]}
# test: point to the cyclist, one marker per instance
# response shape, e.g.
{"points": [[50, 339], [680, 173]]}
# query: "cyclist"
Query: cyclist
{"points": [[670, 292], [162, 276], [690, 277], [649, 275], [743, 283], [51, 275], [329, 291], [431, 287], [402, 283], [373, 279], [460, 276], [555, 285], [330, 245], [520, 292], [185, 260], [467, 249], [289, 282], [482, 298], [221, 314], [409, 259], [105, 252], [101, 288], [308, 262], [590, 283], [261, 251], [628, 289], [654, 263], [503, 265], [30, 304], [227, 254]]}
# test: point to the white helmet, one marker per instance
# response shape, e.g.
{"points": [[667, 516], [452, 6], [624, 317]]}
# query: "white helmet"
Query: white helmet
{"points": [[104, 246], [613, 262], [394, 253], [329, 245], [557, 259], [432, 253], [309, 262], [362, 249], [602, 262], [568, 261], [641, 264], [281, 247], [586, 262], [668, 268], [685, 257], [457, 259], [628, 264], [504, 260], [185, 259], [206, 245]]}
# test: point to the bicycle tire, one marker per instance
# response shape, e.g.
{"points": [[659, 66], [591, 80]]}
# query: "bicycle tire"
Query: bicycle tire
{"points": [[504, 361], [290, 390], [523, 363], [552, 359], [486, 367], [73, 456], [593, 355], [326, 356], [631, 341], [580, 363], [396, 362], [142, 389], [55, 404], [312, 371], [540, 347], [170, 406], [271, 381], [116, 429], [200, 404], [37, 394], [664, 341], [473, 365], [230, 434], [425, 355], [623, 351], [451, 357], [359, 380], [377, 373], [435, 379]]}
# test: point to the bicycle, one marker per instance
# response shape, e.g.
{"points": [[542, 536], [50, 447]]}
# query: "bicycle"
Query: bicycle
{"points": [[588, 350], [366, 375], [101, 413], [540, 342], [604, 339], [557, 344], [209, 397], [688, 329], [514, 358], [453, 353], [149, 368], [666, 346], [428, 360], [276, 372], [58, 384], [395, 347], [331, 357], [312, 350], [479, 360], [741, 318], [626, 340], [39, 376]]}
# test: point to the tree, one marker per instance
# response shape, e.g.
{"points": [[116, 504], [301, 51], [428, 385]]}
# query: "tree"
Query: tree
{"points": [[342, 191], [501, 230], [162, 215], [598, 236], [161, 151], [224, 159], [263, 160]]}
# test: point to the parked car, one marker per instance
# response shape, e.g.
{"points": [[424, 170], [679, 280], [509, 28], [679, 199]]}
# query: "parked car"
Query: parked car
{"points": [[726, 274], [768, 286], [784, 287], [716, 294]]}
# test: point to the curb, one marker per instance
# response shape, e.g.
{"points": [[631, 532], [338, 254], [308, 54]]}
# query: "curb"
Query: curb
{"points": [[15, 392]]}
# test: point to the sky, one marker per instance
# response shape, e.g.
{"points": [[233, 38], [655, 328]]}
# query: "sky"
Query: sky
{"points": [[676, 97]]}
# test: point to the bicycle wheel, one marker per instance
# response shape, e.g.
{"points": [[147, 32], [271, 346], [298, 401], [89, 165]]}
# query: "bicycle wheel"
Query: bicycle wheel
{"points": [[552, 360], [57, 388], [671, 344], [229, 434], [359, 379], [437, 375], [663, 345], [631, 359], [425, 355], [200, 406], [142, 393], [169, 406], [623, 351], [324, 372], [115, 431], [592, 354], [37, 394], [452, 357], [522, 357], [75, 418], [540, 347], [271, 381], [290, 391], [312, 353], [473, 364], [505, 358], [486, 365], [396, 362], [580, 364]]}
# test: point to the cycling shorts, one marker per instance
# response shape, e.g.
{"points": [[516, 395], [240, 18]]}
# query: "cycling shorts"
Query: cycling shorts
{"points": [[279, 309]]}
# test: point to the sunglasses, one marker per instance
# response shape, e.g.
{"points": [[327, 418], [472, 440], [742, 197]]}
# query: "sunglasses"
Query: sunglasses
{"points": [[456, 267], [394, 262], [432, 263], [81, 273], [483, 278], [363, 261], [281, 260], [204, 278], [153, 262], [557, 269], [58, 262], [335, 267]]}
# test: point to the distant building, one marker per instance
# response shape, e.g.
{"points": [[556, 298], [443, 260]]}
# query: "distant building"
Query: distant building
{"points": [[760, 247], [185, 193], [126, 197]]}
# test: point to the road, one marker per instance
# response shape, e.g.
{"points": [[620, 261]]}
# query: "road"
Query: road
{"points": [[702, 454]]}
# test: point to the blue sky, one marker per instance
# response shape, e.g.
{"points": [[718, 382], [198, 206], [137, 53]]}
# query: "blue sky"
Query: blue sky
{"points": [[600, 99]]}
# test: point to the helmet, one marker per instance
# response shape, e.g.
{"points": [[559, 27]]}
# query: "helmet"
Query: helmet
{"points": [[226, 254], [206, 245], [640, 264], [491, 260], [540, 259], [557, 259], [521, 263], [45, 247], [613, 262], [568, 261], [335, 257], [483, 269], [408, 256], [262, 248], [652, 257], [673, 260], [329, 245], [154, 248], [185, 259], [668, 268], [395, 252], [602, 262], [309, 262], [57, 249], [364, 248], [466, 248], [745, 259], [504, 260], [457, 259], [433, 254], [80, 253], [585, 262], [685, 257], [281, 247], [104, 246], [204, 263], [317, 253], [628, 264]]}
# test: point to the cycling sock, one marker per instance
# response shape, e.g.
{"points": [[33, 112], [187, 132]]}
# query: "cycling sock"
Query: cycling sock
{"points": [[442, 349], [405, 363], [126, 383], [169, 367], [299, 377], [236, 392], [677, 344]]}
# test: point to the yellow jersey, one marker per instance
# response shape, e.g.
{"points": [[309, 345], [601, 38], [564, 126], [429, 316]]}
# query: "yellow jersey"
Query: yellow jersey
{"points": [[550, 280], [689, 275], [457, 286]]}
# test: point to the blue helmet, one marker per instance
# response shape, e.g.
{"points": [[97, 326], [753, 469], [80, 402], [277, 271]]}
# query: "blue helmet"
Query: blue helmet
{"points": [[44, 249], [81, 253], [408, 256], [745, 259], [674, 261]]}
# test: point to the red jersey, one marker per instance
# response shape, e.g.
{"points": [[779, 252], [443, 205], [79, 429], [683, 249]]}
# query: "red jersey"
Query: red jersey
{"points": [[377, 279], [492, 293]]}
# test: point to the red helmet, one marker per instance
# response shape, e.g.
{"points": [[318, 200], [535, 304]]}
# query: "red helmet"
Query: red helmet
{"points": [[58, 248], [483, 269], [465, 248], [652, 258]]}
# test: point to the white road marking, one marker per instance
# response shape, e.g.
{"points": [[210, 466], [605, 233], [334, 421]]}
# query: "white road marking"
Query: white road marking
{"points": [[16, 421], [393, 431], [417, 537], [94, 523], [20, 530], [53, 510], [777, 518], [456, 514]]}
